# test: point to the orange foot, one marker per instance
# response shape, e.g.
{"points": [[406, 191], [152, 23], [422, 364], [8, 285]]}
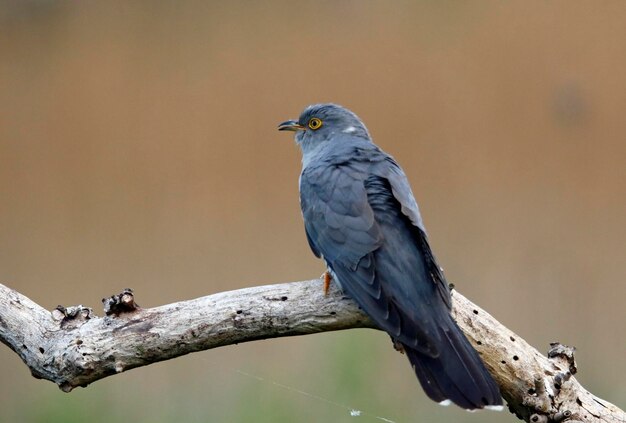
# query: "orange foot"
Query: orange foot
{"points": [[327, 278]]}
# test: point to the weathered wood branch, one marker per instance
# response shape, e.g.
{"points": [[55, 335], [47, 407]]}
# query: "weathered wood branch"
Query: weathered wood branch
{"points": [[72, 347]]}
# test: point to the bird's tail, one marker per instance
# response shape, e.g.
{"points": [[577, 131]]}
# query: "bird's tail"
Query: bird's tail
{"points": [[457, 375]]}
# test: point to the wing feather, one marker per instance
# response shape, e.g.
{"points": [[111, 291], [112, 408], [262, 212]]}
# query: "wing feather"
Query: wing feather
{"points": [[401, 191]]}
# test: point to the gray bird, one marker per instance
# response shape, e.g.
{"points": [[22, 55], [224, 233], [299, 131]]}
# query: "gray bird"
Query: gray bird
{"points": [[360, 216]]}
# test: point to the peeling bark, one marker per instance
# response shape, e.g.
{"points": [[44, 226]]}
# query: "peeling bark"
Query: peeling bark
{"points": [[73, 347]]}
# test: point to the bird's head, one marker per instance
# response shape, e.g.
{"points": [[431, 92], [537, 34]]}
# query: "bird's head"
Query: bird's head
{"points": [[319, 123]]}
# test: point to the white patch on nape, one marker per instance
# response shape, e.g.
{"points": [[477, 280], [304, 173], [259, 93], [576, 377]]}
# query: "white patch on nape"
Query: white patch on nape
{"points": [[494, 407], [350, 129], [445, 403]]}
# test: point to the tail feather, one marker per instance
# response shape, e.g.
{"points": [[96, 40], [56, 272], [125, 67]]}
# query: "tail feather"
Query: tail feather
{"points": [[457, 374]]}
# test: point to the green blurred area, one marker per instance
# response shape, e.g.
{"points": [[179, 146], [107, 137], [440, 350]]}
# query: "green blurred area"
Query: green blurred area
{"points": [[138, 148]]}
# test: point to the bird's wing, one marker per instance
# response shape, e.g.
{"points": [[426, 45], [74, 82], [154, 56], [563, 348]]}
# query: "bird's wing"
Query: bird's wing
{"points": [[401, 191], [345, 224]]}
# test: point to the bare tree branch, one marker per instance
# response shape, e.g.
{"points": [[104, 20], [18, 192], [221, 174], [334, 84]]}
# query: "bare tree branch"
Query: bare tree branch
{"points": [[72, 347]]}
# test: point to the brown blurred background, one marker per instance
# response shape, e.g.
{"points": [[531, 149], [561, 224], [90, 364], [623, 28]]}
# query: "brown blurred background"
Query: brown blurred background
{"points": [[138, 148]]}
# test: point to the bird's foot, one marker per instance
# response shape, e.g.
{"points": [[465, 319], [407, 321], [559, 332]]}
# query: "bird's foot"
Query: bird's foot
{"points": [[397, 345], [326, 277]]}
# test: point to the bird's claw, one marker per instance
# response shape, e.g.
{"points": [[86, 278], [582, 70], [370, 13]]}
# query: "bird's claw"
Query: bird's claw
{"points": [[397, 345]]}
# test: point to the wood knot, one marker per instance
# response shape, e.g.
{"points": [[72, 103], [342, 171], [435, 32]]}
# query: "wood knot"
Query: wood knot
{"points": [[561, 416], [564, 354], [123, 302], [72, 316], [538, 398]]}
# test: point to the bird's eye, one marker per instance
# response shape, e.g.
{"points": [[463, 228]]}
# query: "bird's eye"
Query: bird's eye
{"points": [[315, 123]]}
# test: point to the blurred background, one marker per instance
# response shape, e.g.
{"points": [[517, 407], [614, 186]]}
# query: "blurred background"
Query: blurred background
{"points": [[138, 148]]}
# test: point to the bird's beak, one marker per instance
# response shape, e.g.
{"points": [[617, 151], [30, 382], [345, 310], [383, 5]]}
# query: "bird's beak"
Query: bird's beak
{"points": [[290, 125]]}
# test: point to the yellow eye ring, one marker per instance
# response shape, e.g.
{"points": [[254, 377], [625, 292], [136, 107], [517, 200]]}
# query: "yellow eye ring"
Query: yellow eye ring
{"points": [[315, 123]]}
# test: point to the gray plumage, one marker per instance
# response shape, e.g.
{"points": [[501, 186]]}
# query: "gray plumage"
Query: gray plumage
{"points": [[361, 217]]}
